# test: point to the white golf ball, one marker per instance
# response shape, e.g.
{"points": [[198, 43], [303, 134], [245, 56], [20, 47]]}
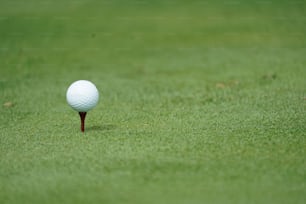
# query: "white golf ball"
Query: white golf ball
{"points": [[82, 95]]}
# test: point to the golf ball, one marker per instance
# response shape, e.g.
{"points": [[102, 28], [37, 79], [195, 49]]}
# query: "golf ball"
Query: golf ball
{"points": [[82, 95]]}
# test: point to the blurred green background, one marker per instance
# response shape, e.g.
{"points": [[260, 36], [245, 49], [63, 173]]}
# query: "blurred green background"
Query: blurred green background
{"points": [[201, 101]]}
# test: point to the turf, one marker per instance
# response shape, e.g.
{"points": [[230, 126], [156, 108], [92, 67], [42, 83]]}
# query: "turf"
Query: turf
{"points": [[201, 101]]}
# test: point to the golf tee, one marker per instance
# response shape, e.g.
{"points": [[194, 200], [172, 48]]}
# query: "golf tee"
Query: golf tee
{"points": [[82, 116]]}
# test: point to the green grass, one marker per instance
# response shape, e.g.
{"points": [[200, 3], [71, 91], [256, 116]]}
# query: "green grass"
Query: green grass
{"points": [[201, 102]]}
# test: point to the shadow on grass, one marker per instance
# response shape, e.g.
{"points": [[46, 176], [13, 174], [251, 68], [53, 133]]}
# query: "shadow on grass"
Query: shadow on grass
{"points": [[105, 127]]}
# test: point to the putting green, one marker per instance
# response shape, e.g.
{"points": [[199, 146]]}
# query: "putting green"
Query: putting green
{"points": [[201, 102]]}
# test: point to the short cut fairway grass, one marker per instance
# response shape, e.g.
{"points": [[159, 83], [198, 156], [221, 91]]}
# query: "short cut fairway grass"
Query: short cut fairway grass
{"points": [[201, 102]]}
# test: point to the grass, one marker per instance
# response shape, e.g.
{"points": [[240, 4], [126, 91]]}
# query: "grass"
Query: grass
{"points": [[201, 102]]}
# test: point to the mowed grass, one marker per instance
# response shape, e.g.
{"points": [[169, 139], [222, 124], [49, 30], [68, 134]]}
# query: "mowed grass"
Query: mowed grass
{"points": [[201, 102]]}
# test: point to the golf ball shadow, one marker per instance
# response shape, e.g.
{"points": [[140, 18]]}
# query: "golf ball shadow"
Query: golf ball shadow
{"points": [[98, 128]]}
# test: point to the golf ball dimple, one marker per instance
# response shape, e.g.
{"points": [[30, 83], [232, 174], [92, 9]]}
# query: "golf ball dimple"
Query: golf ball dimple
{"points": [[82, 95]]}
